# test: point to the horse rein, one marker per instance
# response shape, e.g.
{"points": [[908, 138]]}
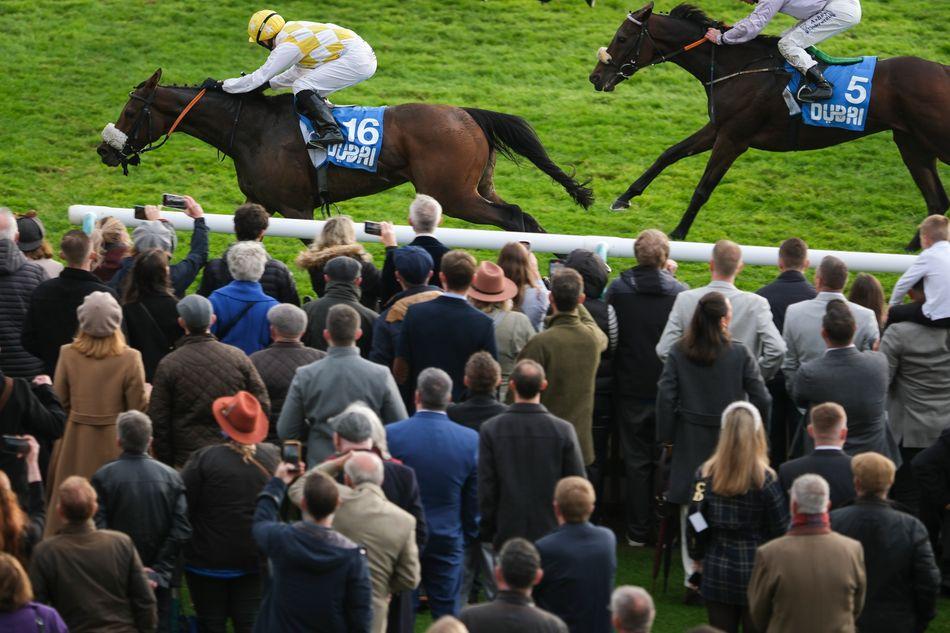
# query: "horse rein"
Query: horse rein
{"points": [[628, 68]]}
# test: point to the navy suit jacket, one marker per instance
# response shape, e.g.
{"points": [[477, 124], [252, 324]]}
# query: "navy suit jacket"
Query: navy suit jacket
{"points": [[789, 287], [833, 465], [444, 333], [579, 562], [444, 456]]}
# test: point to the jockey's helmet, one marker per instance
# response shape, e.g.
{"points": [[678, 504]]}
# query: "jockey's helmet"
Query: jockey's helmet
{"points": [[264, 25]]}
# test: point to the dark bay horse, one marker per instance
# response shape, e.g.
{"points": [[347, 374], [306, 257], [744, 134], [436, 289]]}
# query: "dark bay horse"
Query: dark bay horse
{"points": [[444, 151], [909, 95]]}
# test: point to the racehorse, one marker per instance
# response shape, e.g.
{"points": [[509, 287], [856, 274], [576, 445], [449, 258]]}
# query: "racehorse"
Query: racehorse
{"points": [[444, 151], [744, 84]]}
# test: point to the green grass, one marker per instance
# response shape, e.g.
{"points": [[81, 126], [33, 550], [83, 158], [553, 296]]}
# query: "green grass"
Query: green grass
{"points": [[68, 66]]}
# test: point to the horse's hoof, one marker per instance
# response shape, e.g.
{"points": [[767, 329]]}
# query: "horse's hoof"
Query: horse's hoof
{"points": [[620, 205]]}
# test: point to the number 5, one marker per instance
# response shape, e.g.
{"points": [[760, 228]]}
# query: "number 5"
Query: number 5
{"points": [[861, 93]]}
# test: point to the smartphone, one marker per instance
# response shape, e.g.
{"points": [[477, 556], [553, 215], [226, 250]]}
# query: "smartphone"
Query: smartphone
{"points": [[290, 453], [373, 228], [526, 244], [17, 445], [139, 212], [173, 201], [554, 266], [154, 577]]}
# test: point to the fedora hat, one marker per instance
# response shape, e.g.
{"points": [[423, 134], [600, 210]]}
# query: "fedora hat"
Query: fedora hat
{"points": [[491, 285], [241, 417]]}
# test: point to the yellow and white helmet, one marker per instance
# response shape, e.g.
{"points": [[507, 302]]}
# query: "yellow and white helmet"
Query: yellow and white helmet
{"points": [[264, 25]]}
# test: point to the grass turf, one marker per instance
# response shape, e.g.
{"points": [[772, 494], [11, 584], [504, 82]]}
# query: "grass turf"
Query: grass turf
{"points": [[69, 64]]}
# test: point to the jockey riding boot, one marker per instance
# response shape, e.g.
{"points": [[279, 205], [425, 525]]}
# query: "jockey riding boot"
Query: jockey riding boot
{"points": [[325, 130], [819, 89]]}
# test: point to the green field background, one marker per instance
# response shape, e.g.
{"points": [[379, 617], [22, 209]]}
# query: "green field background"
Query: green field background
{"points": [[67, 67]]}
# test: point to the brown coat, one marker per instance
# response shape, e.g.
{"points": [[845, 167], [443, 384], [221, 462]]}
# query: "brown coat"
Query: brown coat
{"points": [[93, 393], [808, 581]]}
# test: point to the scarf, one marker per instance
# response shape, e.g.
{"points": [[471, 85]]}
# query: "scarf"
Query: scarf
{"points": [[811, 523]]}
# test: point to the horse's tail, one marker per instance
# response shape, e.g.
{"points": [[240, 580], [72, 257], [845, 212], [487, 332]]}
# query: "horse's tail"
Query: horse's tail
{"points": [[511, 134]]}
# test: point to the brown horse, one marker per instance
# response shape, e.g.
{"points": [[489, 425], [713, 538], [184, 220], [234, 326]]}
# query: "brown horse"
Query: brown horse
{"points": [[444, 151], [909, 95]]}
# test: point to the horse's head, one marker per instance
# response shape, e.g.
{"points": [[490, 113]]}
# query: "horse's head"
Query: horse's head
{"points": [[629, 50], [139, 124]]}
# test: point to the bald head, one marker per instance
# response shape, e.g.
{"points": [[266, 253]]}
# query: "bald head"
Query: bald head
{"points": [[528, 381], [726, 261], [364, 467]]}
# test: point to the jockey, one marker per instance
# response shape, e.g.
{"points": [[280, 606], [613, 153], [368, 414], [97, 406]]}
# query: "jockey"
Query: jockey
{"points": [[312, 58], [818, 20]]}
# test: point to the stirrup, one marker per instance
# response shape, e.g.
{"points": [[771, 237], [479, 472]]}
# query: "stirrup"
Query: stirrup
{"points": [[324, 138]]}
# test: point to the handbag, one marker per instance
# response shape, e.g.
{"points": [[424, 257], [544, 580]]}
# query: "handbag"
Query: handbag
{"points": [[697, 530]]}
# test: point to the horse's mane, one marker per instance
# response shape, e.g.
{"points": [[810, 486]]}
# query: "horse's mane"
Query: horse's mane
{"points": [[697, 16]]}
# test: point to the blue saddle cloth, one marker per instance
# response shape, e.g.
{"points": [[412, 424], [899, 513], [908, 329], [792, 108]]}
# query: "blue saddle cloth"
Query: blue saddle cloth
{"points": [[363, 129], [848, 108]]}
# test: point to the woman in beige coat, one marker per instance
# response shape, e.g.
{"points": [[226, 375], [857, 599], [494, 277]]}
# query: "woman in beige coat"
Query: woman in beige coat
{"points": [[97, 377]]}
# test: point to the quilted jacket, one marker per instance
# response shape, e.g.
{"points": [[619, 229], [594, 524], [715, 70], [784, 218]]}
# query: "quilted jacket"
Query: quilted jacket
{"points": [[187, 382], [18, 278], [277, 365]]}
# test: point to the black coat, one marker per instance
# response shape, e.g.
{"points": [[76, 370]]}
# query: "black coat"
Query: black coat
{"points": [[338, 292], [276, 281], [51, 320], [510, 612], [932, 471], [475, 410], [833, 465], [903, 579], [788, 288], [19, 277], [152, 328], [388, 286], [522, 454]]}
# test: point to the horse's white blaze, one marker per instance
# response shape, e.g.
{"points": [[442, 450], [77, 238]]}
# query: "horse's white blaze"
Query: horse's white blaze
{"points": [[603, 55], [114, 137]]}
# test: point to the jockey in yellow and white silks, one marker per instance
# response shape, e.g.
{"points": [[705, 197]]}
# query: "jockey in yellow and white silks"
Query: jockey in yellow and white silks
{"points": [[314, 59]]}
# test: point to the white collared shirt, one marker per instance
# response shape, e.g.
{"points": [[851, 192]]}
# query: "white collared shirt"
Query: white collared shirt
{"points": [[933, 266]]}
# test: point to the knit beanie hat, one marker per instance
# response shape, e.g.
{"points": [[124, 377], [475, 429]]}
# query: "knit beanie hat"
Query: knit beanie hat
{"points": [[99, 315], [154, 234]]}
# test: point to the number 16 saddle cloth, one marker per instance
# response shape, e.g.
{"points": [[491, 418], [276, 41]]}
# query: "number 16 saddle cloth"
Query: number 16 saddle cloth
{"points": [[362, 128]]}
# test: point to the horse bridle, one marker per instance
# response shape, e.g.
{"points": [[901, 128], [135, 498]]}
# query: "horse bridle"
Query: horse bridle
{"points": [[629, 67]]}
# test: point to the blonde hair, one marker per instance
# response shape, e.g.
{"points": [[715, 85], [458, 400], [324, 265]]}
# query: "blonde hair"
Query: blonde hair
{"points": [[741, 459], [15, 588], [113, 231], [935, 227], [575, 498], [337, 231], [873, 472], [99, 347]]}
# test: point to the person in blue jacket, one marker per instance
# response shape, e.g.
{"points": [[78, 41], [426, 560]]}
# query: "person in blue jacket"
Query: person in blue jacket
{"points": [[242, 305]]}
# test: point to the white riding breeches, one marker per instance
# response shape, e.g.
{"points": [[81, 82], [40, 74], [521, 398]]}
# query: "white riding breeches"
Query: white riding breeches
{"points": [[350, 69], [836, 17]]}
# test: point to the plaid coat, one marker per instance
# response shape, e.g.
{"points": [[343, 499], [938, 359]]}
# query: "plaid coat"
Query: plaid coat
{"points": [[738, 526]]}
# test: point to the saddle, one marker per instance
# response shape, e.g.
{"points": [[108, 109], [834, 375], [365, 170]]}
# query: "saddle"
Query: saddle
{"points": [[824, 59]]}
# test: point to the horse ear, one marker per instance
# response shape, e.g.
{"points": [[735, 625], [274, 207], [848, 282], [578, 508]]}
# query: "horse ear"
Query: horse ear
{"points": [[645, 12], [153, 80]]}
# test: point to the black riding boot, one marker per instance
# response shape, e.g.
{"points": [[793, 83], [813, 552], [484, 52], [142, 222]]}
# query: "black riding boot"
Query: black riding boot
{"points": [[325, 130], [819, 89]]}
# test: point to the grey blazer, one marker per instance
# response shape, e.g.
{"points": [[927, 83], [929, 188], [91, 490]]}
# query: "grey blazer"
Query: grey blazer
{"points": [[858, 382]]}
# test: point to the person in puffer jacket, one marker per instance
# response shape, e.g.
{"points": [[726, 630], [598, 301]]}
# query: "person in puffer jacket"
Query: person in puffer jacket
{"points": [[18, 278]]}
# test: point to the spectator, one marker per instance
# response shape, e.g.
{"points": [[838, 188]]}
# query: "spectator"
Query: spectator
{"points": [[482, 378], [98, 377], [324, 388], [222, 485], [158, 233], [512, 611], [811, 579], [642, 297], [704, 373], [190, 379], [828, 428], [932, 267], [632, 610], [902, 578], [279, 362], [521, 267], [19, 277], [33, 244], [932, 473], [789, 287], [425, 214], [113, 594], [579, 561], [918, 358], [241, 306], [149, 309], [491, 292], [751, 323], [18, 612], [250, 223], [50, 320], [115, 247], [317, 574], [867, 291], [741, 500], [803, 320], [338, 238], [343, 288], [447, 624], [145, 499], [855, 380], [20, 530], [445, 331], [569, 350], [386, 531], [444, 456], [522, 454]]}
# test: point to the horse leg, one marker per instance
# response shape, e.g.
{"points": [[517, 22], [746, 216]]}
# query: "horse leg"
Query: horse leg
{"points": [[700, 141], [922, 165], [486, 189], [724, 152]]}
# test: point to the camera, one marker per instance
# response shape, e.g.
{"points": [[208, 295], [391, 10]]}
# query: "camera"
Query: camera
{"points": [[18, 446], [554, 266], [173, 201], [373, 228], [290, 453]]}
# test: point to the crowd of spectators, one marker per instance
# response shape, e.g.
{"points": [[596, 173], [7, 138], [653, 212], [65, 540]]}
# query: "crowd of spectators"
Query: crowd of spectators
{"points": [[439, 432]]}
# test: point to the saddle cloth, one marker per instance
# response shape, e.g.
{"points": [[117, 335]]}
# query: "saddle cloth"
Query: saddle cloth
{"points": [[848, 108], [363, 129]]}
